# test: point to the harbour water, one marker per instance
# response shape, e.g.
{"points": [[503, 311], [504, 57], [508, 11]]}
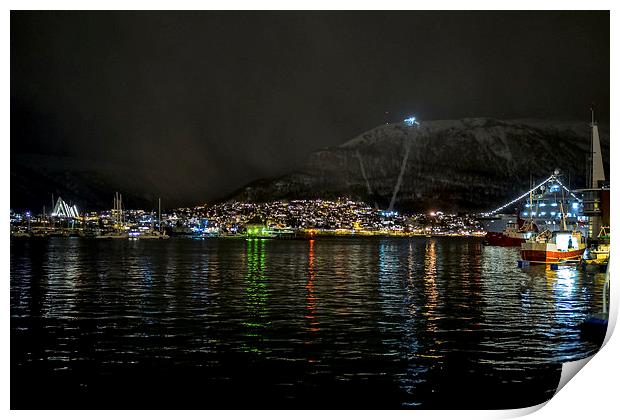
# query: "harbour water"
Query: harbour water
{"points": [[328, 323]]}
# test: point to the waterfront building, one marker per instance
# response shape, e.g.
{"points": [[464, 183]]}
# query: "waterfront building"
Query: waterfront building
{"points": [[63, 210]]}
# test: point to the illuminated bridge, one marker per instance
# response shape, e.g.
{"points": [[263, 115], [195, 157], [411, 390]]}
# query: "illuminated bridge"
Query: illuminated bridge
{"points": [[549, 199]]}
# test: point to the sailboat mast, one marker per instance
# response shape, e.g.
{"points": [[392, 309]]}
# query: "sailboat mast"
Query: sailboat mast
{"points": [[159, 213]]}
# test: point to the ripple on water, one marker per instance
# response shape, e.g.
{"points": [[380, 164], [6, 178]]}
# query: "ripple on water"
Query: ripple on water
{"points": [[336, 322]]}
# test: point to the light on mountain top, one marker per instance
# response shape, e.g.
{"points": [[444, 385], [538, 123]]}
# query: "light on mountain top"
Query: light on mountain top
{"points": [[411, 121]]}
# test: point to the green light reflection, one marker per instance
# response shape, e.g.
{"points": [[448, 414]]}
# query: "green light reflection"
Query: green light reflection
{"points": [[256, 296]]}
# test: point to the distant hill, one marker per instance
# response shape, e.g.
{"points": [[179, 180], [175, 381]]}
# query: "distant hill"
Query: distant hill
{"points": [[467, 164], [90, 184]]}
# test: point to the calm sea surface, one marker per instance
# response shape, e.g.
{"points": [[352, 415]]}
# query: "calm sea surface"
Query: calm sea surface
{"points": [[328, 323]]}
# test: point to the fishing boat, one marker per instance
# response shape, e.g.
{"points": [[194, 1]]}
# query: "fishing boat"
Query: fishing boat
{"points": [[514, 234], [598, 252], [541, 211], [559, 246], [554, 247]]}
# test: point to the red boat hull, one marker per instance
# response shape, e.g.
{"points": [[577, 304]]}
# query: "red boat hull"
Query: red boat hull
{"points": [[499, 239], [548, 257]]}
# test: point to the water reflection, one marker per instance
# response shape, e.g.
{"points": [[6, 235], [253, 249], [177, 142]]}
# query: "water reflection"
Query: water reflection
{"points": [[313, 324], [430, 287], [256, 296], [563, 283], [414, 261], [376, 322], [63, 273]]}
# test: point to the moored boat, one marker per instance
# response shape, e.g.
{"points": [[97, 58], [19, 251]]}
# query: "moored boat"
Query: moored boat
{"points": [[514, 234], [558, 246], [147, 234], [114, 234], [544, 210], [553, 247], [598, 251]]}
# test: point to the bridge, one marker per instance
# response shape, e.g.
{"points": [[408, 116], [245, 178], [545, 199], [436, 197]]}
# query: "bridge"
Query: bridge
{"points": [[554, 177]]}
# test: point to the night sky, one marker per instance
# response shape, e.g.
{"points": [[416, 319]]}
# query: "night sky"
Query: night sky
{"points": [[209, 101]]}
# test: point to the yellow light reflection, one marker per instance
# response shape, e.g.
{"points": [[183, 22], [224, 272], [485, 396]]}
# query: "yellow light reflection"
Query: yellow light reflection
{"points": [[430, 276], [430, 290]]}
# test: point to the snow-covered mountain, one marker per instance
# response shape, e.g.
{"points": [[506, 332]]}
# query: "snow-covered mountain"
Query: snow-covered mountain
{"points": [[468, 164]]}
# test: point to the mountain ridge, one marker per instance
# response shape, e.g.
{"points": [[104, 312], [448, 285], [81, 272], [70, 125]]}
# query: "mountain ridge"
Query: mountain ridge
{"points": [[466, 164], [461, 165]]}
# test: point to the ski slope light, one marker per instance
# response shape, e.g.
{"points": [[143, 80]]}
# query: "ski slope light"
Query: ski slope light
{"points": [[410, 121]]}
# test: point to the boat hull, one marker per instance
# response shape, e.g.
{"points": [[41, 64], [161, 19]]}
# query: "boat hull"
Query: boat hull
{"points": [[548, 257], [500, 239]]}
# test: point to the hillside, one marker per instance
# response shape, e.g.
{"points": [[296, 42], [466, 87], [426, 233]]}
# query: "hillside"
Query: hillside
{"points": [[468, 164], [90, 184]]}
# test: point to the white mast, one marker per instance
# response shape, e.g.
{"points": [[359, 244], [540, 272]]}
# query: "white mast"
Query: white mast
{"points": [[563, 216], [115, 211], [118, 206], [598, 173], [563, 219], [531, 202]]}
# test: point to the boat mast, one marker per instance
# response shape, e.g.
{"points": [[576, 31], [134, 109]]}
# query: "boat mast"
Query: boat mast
{"points": [[531, 205], [115, 211], [563, 226], [159, 213]]}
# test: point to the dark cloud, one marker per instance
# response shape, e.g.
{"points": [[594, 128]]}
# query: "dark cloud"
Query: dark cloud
{"points": [[204, 102]]}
